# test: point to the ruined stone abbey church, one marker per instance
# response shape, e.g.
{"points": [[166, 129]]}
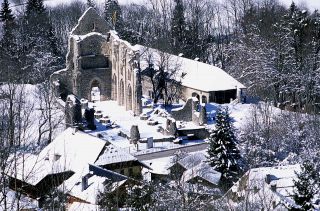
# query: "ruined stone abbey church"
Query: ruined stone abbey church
{"points": [[98, 58]]}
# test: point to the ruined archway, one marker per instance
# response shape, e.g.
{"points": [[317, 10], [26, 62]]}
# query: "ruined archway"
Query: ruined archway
{"points": [[194, 94], [121, 92], [114, 87], [129, 98], [95, 91], [204, 99]]}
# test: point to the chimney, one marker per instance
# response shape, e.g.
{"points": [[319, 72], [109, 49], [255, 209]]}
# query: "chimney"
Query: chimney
{"points": [[84, 183]]}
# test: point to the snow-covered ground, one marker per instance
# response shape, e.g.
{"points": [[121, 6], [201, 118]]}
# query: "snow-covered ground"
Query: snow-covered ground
{"points": [[125, 120]]}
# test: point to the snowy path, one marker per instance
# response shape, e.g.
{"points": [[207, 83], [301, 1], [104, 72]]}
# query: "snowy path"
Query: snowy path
{"points": [[171, 152]]}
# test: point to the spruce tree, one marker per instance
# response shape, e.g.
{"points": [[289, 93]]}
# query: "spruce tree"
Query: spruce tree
{"points": [[113, 15], [7, 18], [35, 8], [5, 12], [8, 45], [90, 3], [36, 21], [223, 152], [42, 54], [306, 186], [178, 31]]}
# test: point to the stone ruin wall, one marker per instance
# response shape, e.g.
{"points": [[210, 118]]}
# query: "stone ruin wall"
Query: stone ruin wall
{"points": [[89, 66], [126, 80], [97, 57]]}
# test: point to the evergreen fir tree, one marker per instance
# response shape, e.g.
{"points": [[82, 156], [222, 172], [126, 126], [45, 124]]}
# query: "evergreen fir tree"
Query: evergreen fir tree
{"points": [[36, 21], [34, 8], [178, 31], [5, 12], [8, 45], [140, 197], [90, 3], [306, 186], [113, 15], [223, 152], [7, 18], [41, 51]]}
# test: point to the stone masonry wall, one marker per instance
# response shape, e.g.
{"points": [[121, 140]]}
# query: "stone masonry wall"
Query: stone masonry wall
{"points": [[97, 57], [189, 112]]}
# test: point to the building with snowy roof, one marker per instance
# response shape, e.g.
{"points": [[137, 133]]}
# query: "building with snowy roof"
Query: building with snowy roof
{"points": [[206, 82], [76, 163], [187, 162], [56, 162], [271, 188], [202, 173], [118, 160], [193, 169]]}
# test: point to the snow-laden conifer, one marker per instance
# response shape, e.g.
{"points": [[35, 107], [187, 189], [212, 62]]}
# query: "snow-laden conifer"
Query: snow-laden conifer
{"points": [[223, 152]]}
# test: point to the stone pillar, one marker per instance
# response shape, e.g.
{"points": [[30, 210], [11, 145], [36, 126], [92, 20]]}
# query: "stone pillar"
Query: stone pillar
{"points": [[203, 115], [195, 103], [134, 134], [171, 127], [89, 116], [137, 93], [73, 111], [84, 104], [149, 142]]}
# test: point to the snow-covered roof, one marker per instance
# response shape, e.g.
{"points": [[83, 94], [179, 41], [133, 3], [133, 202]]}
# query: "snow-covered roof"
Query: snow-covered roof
{"points": [[268, 184], [73, 187], [203, 171], [160, 165], [281, 176], [192, 160], [70, 151], [114, 154], [197, 75], [96, 182]]}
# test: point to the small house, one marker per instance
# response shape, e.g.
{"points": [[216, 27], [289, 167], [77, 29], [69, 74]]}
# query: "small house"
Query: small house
{"points": [[117, 159], [271, 187]]}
